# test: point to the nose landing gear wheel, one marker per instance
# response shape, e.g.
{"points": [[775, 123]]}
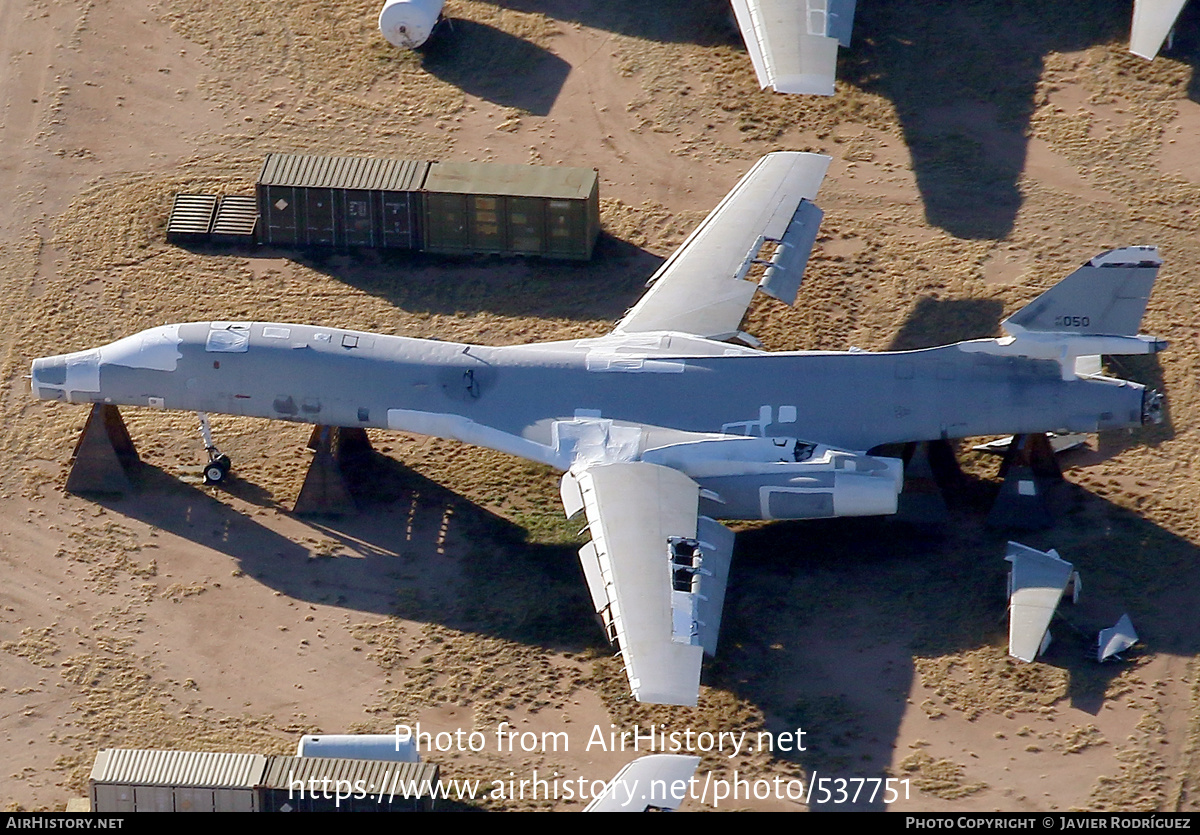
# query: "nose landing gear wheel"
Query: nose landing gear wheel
{"points": [[217, 469]]}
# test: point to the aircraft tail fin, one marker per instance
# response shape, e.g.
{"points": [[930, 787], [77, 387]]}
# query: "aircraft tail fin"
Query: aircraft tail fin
{"points": [[1107, 296]]}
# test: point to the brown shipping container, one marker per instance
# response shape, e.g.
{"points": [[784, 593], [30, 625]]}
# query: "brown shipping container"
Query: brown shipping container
{"points": [[478, 207], [308, 200]]}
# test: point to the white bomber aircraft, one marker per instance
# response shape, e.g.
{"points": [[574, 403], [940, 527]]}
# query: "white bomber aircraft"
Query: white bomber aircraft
{"points": [[793, 45], [666, 424]]}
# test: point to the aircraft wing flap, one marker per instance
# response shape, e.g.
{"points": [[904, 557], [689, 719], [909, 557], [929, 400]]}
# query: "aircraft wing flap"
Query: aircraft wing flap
{"points": [[648, 599], [701, 288], [783, 277], [1036, 584]]}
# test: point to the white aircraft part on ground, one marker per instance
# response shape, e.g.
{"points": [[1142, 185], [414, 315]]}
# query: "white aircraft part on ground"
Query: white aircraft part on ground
{"points": [[1116, 639], [793, 44], [1035, 585], [649, 783], [408, 23], [1153, 20]]}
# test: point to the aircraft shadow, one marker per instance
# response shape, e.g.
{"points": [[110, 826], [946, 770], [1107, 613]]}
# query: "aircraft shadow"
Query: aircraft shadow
{"points": [[964, 79], [492, 64], [1186, 47], [703, 22], [935, 322], [417, 551], [823, 621]]}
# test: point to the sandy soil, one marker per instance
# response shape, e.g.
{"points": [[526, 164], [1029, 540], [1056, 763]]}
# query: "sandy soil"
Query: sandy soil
{"points": [[977, 158]]}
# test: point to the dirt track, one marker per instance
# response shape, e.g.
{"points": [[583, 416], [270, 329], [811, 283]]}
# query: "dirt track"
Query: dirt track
{"points": [[976, 160]]}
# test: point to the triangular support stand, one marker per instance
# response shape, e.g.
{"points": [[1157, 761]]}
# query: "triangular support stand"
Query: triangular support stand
{"points": [[104, 457], [1029, 470], [326, 491]]}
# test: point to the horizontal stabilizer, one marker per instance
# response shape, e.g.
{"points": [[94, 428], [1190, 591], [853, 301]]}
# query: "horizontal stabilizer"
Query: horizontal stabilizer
{"points": [[1036, 584], [1107, 296]]}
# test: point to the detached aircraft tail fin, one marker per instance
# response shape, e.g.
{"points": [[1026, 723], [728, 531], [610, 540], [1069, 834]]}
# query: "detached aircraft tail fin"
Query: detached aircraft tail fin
{"points": [[1105, 297]]}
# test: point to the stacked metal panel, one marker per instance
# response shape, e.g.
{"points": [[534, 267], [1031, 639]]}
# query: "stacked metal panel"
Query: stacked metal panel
{"points": [[235, 220], [191, 218]]}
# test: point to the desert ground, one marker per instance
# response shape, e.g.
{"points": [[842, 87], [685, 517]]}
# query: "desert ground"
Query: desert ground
{"points": [[980, 152]]}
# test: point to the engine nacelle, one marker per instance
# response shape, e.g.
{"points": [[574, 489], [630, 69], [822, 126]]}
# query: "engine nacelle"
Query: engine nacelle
{"points": [[784, 478], [408, 23]]}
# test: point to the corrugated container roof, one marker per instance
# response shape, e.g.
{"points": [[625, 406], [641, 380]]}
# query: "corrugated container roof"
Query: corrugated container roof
{"points": [[376, 775], [203, 769], [514, 180], [303, 170]]}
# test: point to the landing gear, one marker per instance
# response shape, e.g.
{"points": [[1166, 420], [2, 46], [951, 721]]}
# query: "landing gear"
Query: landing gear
{"points": [[217, 468]]}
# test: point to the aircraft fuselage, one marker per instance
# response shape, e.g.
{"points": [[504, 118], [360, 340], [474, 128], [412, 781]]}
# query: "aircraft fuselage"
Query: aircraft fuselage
{"points": [[650, 388]]}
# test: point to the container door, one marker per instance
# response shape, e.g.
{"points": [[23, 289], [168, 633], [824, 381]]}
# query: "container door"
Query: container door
{"points": [[446, 223], [189, 799], [278, 206], [486, 233], [564, 228], [358, 221], [154, 798], [526, 225], [107, 798], [398, 222], [318, 205]]}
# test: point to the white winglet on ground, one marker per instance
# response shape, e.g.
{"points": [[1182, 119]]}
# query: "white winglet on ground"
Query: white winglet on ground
{"points": [[1116, 639], [793, 44], [1153, 20], [655, 783], [1035, 585]]}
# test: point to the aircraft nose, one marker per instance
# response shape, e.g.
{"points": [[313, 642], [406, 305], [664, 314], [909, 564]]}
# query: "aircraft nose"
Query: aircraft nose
{"points": [[74, 377], [49, 375]]}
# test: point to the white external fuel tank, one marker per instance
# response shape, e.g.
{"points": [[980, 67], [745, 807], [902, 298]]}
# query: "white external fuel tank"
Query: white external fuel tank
{"points": [[408, 23]]}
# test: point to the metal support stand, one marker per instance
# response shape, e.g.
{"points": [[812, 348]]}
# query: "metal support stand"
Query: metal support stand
{"points": [[325, 491], [921, 501], [1029, 471], [104, 456]]}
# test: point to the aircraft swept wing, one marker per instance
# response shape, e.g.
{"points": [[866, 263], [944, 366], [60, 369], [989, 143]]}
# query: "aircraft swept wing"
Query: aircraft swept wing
{"points": [[701, 289], [793, 44], [1152, 22], [656, 570], [660, 427]]}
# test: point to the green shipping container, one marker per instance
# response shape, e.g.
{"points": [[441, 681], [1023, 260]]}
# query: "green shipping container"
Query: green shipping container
{"points": [[477, 207]]}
